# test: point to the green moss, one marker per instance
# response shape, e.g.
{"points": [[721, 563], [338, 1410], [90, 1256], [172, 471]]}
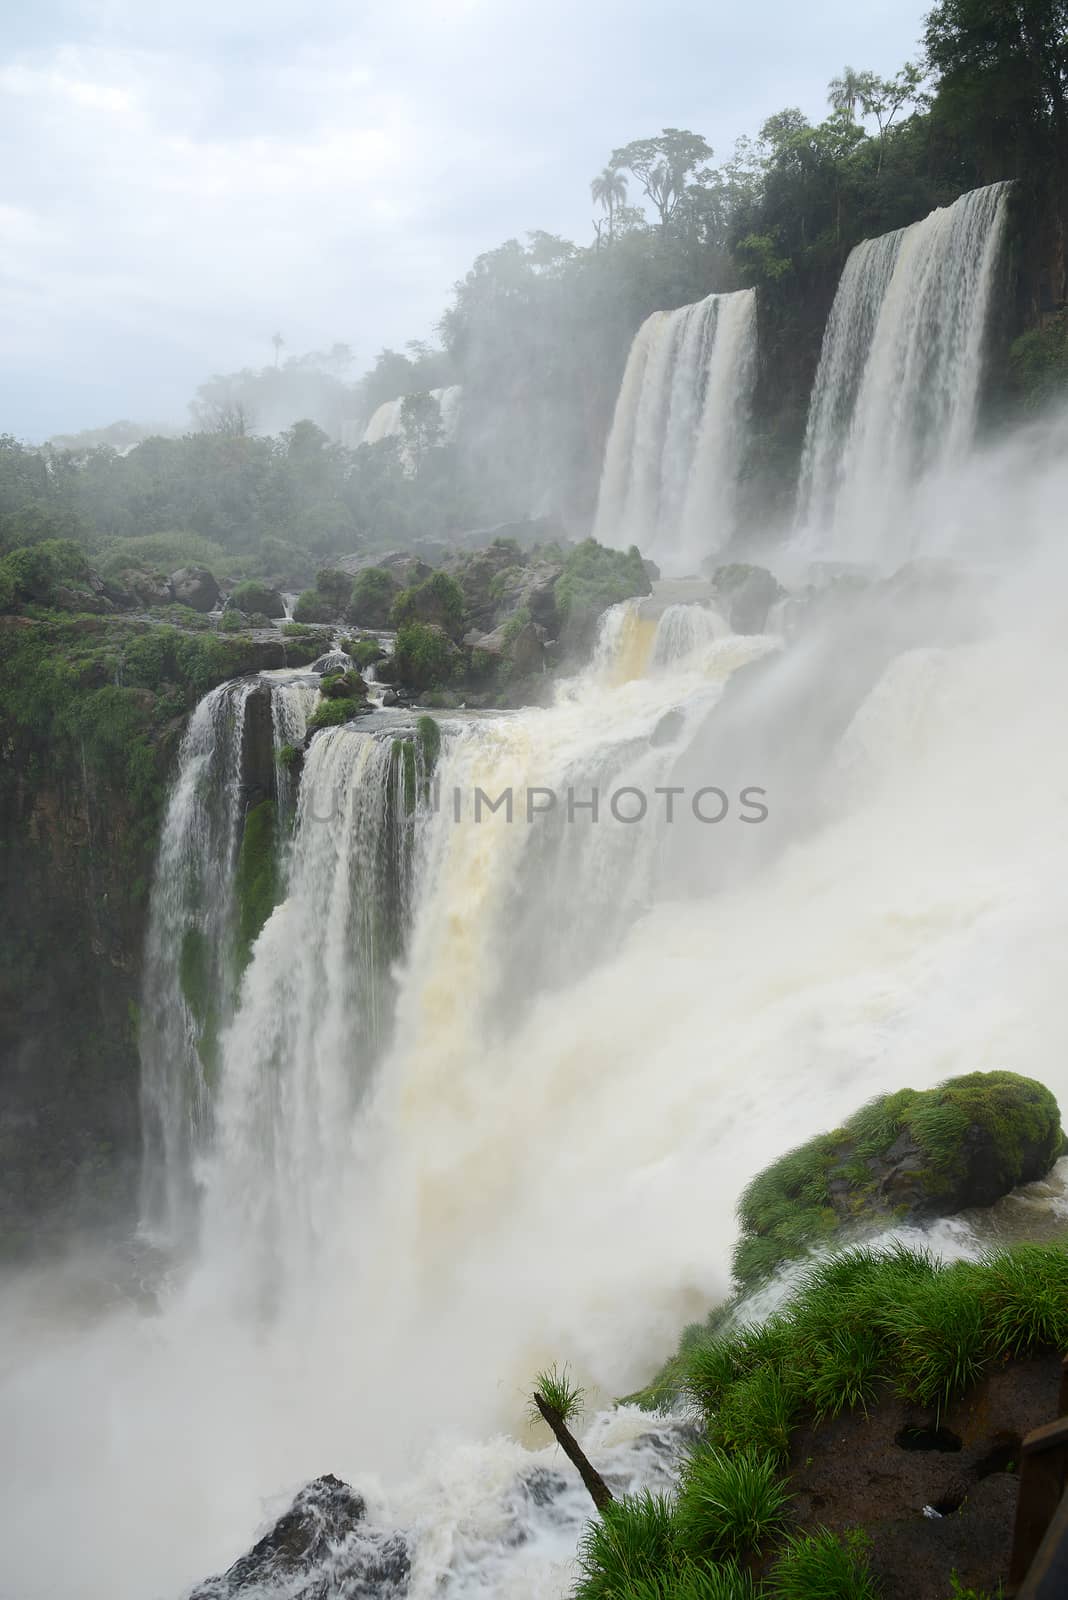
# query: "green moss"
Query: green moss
{"points": [[429, 736], [371, 596], [256, 882], [289, 756], [194, 973], [1038, 362], [834, 1179], [439, 599], [331, 713]]}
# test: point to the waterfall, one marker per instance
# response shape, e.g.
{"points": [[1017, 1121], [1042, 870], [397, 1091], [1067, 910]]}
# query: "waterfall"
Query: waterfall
{"points": [[676, 448], [314, 1011], [388, 420], [189, 969], [897, 388]]}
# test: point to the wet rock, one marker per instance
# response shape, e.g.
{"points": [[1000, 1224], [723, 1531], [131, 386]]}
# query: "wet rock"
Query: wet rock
{"points": [[391, 698], [746, 594], [907, 1157], [652, 571], [147, 588], [84, 600], [258, 778], [321, 1548], [333, 661], [195, 587]]}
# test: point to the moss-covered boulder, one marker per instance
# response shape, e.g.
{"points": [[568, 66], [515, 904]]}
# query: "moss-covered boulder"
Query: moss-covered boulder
{"points": [[905, 1157]]}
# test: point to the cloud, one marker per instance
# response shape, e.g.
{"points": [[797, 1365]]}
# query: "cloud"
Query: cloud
{"points": [[179, 183]]}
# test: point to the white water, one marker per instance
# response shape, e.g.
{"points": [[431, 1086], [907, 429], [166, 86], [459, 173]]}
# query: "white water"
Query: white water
{"points": [[676, 447], [897, 389], [192, 910]]}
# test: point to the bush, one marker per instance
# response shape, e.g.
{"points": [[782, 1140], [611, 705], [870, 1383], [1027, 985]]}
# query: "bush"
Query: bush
{"points": [[1038, 362], [35, 571], [820, 1566], [364, 652], [331, 713], [335, 588], [372, 594], [632, 1541], [422, 657], [438, 600], [595, 578], [729, 1505], [311, 606], [232, 620], [165, 552], [252, 596]]}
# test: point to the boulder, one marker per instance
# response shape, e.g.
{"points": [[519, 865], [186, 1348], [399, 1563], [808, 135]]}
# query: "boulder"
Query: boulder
{"points": [[83, 600], [746, 595], [147, 588], [333, 661], [907, 1157], [321, 1546], [194, 587]]}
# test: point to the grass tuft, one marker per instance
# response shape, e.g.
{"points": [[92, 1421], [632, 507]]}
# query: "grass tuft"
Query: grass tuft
{"points": [[729, 1505], [820, 1566]]}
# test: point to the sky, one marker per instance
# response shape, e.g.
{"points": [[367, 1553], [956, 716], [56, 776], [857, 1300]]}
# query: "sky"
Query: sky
{"points": [[179, 182]]}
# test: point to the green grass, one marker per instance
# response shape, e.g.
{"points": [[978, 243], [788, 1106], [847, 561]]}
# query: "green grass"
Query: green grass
{"points": [[820, 1566], [633, 1542], [559, 1393], [729, 1503], [693, 1581]]}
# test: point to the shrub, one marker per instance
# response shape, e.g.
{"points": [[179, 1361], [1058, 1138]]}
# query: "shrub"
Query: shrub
{"points": [[372, 594], [364, 652], [335, 588], [631, 1542], [729, 1505], [164, 552], [439, 600], [252, 596], [35, 571], [820, 1566], [331, 713], [311, 606], [232, 620], [595, 578], [422, 657]]}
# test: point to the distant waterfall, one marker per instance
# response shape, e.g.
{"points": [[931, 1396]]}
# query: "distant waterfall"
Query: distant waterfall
{"points": [[897, 388], [388, 422], [676, 448]]}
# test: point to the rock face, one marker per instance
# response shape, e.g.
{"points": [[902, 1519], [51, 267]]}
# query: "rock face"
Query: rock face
{"points": [[194, 587], [878, 1469], [321, 1547], [906, 1157]]}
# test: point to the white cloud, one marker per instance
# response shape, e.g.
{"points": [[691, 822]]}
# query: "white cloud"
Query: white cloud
{"points": [[177, 184]]}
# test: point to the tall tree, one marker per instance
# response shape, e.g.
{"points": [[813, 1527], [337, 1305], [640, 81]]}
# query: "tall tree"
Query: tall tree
{"points": [[609, 190], [846, 92], [663, 165]]}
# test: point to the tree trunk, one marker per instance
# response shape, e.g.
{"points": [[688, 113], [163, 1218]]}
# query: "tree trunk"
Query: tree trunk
{"points": [[600, 1493]]}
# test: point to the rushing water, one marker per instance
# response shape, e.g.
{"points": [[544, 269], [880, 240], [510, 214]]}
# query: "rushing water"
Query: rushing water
{"points": [[489, 1087], [676, 449], [897, 389]]}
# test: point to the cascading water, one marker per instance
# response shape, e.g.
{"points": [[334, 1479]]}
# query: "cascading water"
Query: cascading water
{"points": [[189, 968], [676, 449], [897, 389]]}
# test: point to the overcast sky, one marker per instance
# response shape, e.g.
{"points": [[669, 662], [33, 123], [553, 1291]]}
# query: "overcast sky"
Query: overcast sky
{"points": [[177, 182]]}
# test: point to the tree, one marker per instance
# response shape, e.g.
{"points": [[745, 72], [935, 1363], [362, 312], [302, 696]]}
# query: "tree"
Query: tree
{"points": [[278, 342], [609, 190], [420, 425], [662, 166], [844, 93], [558, 1401]]}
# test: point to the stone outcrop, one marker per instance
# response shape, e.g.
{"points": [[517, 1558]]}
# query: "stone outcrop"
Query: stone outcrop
{"points": [[195, 587], [321, 1546]]}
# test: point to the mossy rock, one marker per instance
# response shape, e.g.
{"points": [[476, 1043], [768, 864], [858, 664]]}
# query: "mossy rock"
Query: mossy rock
{"points": [[905, 1157], [256, 882]]}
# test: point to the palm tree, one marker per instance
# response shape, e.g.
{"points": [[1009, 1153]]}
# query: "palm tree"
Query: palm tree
{"points": [[609, 189], [278, 342], [844, 92]]}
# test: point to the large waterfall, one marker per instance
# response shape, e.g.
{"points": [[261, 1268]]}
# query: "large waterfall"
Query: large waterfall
{"points": [[675, 453], [542, 989], [897, 388]]}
